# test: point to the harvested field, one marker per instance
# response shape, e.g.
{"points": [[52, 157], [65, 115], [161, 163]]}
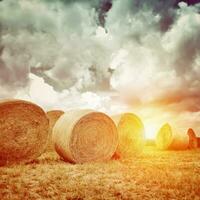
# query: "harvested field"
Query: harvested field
{"points": [[151, 175]]}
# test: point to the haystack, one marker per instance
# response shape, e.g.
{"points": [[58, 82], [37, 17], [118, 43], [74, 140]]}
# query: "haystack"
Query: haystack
{"points": [[169, 139], [193, 140], [131, 134], [23, 131], [83, 136], [53, 116]]}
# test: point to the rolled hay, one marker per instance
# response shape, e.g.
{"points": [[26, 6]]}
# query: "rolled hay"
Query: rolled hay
{"points": [[198, 141], [169, 139], [23, 131], [193, 140], [164, 137], [53, 116], [81, 136], [131, 135]]}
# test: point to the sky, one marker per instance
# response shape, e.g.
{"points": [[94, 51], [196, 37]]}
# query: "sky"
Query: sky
{"points": [[111, 56]]}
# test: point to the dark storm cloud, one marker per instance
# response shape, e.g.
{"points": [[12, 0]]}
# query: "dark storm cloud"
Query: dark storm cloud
{"points": [[105, 6]]}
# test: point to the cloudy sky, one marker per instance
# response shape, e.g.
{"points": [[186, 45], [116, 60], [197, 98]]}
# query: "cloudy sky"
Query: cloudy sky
{"points": [[112, 56]]}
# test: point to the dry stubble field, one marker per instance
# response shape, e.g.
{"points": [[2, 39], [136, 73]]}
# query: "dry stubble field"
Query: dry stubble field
{"points": [[151, 175]]}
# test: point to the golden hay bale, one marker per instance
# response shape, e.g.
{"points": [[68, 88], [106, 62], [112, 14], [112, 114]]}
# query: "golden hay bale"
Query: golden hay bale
{"points": [[53, 116], [193, 140], [198, 142], [83, 136], [168, 139], [23, 131], [164, 137], [131, 134]]}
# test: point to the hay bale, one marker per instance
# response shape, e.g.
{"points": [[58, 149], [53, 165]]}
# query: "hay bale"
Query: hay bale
{"points": [[164, 137], [168, 139], [198, 142], [193, 140], [53, 116], [131, 135], [23, 131], [83, 136]]}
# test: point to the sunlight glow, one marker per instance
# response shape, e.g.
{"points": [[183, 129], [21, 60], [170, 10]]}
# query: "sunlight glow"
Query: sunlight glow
{"points": [[153, 117], [151, 131]]}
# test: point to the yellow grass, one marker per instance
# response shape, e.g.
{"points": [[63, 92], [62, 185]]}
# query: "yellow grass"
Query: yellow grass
{"points": [[152, 175]]}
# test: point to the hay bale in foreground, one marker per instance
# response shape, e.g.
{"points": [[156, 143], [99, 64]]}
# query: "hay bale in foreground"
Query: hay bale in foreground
{"points": [[131, 135], [23, 131], [168, 139], [53, 116], [83, 136], [193, 140]]}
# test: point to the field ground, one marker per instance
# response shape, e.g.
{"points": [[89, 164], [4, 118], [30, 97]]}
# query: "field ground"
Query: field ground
{"points": [[151, 175]]}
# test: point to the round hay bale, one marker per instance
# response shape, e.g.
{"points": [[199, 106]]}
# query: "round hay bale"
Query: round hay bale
{"points": [[83, 136], [131, 135], [198, 142], [164, 137], [193, 141], [23, 131], [168, 139], [53, 116]]}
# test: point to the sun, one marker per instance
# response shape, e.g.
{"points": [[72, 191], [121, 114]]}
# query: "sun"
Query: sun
{"points": [[151, 131], [153, 118]]}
